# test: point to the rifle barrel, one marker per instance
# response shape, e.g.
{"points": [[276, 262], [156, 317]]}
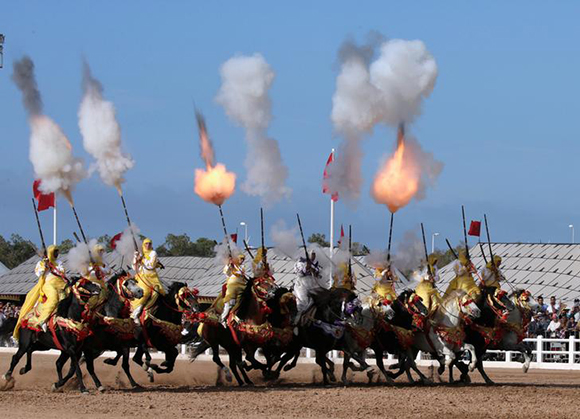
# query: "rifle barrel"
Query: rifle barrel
{"points": [[465, 232], [129, 223], [390, 238], [39, 227], [451, 248], [303, 241], [225, 230], [489, 240], [425, 248]]}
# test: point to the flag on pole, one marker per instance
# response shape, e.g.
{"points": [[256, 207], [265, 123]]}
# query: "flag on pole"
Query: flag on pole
{"points": [[341, 236], [45, 201], [114, 240], [326, 176], [475, 228], [234, 237]]}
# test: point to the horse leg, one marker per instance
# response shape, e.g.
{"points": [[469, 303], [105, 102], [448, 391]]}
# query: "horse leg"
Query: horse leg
{"points": [[234, 368], [28, 365], [345, 363], [381, 365], [60, 362], [75, 364], [217, 360], [90, 361], [127, 368], [113, 361], [138, 359], [411, 356], [321, 361], [330, 369], [22, 349]]}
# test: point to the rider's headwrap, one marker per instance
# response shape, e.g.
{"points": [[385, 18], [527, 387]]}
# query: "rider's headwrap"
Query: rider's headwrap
{"points": [[98, 253], [432, 260], [260, 256], [51, 253], [144, 247], [463, 259], [496, 262]]}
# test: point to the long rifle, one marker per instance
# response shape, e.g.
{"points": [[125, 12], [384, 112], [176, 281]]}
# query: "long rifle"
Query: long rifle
{"points": [[128, 221], [390, 237], [264, 252], [225, 231], [39, 228], [426, 252], [82, 233], [350, 251], [489, 240], [248, 250], [303, 241], [451, 248], [482, 253], [465, 233]]}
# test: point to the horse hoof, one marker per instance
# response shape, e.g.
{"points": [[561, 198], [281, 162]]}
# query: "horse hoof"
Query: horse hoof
{"points": [[287, 368], [110, 361], [145, 367], [228, 374], [525, 368], [136, 387], [101, 389], [84, 391], [151, 376], [55, 388], [7, 377], [164, 363], [8, 384], [332, 377]]}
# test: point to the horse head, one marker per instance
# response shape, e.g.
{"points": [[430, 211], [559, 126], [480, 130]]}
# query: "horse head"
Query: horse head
{"points": [[288, 307], [264, 288], [415, 307], [385, 309], [186, 300], [468, 307], [84, 289], [523, 299]]}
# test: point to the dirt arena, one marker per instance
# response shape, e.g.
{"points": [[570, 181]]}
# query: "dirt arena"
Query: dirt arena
{"points": [[190, 392]]}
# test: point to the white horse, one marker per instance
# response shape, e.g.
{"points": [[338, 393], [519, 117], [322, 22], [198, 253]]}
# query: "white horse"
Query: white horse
{"points": [[445, 336]]}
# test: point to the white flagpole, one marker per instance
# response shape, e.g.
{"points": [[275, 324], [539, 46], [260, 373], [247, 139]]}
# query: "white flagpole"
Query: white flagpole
{"points": [[54, 221], [331, 228]]}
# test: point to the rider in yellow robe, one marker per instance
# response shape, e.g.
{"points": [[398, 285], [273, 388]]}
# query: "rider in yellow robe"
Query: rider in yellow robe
{"points": [[463, 280], [145, 265], [491, 275], [235, 284], [426, 289], [50, 289], [260, 267], [384, 288], [97, 273], [344, 277]]}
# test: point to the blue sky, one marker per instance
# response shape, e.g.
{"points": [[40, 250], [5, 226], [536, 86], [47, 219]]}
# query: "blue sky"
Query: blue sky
{"points": [[502, 116]]}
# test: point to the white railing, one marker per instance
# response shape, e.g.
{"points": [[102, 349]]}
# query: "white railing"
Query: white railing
{"points": [[548, 353]]}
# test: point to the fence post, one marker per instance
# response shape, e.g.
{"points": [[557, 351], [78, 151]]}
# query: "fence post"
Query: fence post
{"points": [[571, 349], [308, 353], [539, 349], [508, 356]]}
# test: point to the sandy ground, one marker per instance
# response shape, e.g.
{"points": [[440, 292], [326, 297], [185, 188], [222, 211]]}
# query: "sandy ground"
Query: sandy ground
{"points": [[190, 391]]}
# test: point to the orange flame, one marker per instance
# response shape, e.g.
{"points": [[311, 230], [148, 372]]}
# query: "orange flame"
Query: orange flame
{"points": [[398, 180], [214, 184]]}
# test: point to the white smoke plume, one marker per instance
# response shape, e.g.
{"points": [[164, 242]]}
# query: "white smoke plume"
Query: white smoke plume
{"points": [[246, 81], [383, 82], [125, 245], [409, 252], [78, 258], [222, 252], [101, 132], [285, 240], [376, 259], [50, 151]]}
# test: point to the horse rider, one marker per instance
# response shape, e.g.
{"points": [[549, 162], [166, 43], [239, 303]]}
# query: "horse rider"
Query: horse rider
{"points": [[235, 284], [97, 272], [426, 289], [463, 280], [344, 277], [145, 265], [491, 275], [51, 288], [260, 267], [384, 287], [307, 282]]}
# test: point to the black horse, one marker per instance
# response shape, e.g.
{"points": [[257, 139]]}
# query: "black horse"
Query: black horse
{"points": [[392, 340], [6, 329], [74, 307], [104, 335], [480, 332]]}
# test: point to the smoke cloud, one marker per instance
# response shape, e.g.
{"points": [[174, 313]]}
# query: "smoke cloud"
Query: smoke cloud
{"points": [[222, 252], [382, 82], [125, 246], [101, 132], [409, 252], [50, 151], [246, 81], [285, 240], [78, 258]]}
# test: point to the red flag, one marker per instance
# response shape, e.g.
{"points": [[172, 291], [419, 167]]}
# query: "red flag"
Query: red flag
{"points": [[114, 240], [234, 237], [341, 236], [326, 176], [474, 228], [45, 201]]}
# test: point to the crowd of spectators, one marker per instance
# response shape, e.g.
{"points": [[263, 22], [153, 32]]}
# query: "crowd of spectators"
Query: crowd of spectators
{"points": [[8, 310], [555, 319]]}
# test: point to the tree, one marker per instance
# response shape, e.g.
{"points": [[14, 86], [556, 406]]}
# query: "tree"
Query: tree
{"points": [[181, 245], [319, 239], [16, 250], [65, 246]]}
